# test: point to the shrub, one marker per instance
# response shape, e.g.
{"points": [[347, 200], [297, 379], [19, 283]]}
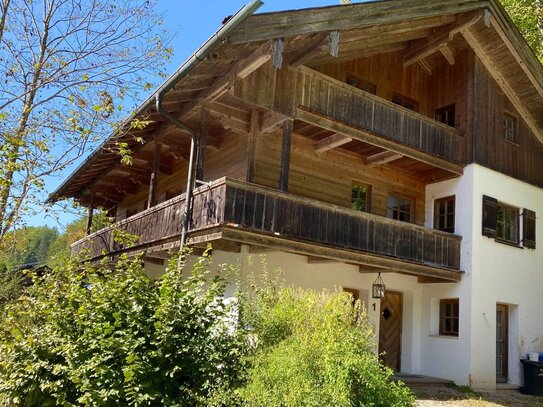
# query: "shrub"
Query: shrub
{"points": [[96, 337], [313, 349]]}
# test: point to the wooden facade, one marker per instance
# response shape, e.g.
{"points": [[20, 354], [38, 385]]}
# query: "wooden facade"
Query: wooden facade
{"points": [[296, 115]]}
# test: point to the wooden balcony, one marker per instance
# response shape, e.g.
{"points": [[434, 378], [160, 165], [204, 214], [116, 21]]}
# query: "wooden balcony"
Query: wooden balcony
{"points": [[238, 212], [339, 107]]}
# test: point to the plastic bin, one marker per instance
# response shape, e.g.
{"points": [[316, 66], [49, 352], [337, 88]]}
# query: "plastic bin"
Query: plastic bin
{"points": [[533, 377]]}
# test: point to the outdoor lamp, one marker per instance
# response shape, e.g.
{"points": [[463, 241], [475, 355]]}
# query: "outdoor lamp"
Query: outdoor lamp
{"points": [[378, 288]]}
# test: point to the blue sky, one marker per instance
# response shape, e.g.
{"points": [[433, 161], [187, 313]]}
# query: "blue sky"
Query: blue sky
{"points": [[194, 22]]}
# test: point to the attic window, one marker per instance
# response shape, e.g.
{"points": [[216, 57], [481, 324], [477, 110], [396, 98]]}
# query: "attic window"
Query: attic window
{"points": [[510, 127], [405, 102], [362, 84], [446, 115]]}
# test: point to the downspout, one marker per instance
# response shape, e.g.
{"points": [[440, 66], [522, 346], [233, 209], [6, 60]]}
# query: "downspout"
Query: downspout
{"points": [[220, 36]]}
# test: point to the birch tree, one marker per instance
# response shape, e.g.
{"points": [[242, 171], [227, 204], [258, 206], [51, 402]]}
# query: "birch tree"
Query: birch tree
{"points": [[67, 67]]}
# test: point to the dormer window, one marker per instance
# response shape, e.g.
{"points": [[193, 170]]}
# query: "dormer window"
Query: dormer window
{"points": [[510, 127]]}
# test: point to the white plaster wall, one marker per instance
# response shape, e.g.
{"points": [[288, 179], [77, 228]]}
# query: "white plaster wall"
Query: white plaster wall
{"points": [[505, 274], [494, 273], [443, 356]]}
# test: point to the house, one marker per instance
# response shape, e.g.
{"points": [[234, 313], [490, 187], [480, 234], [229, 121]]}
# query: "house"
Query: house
{"points": [[394, 141]]}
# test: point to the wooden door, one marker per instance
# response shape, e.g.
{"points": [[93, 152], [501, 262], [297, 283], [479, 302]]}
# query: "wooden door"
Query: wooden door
{"points": [[390, 330], [501, 343]]}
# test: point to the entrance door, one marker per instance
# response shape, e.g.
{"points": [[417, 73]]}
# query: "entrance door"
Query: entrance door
{"points": [[390, 330], [501, 343]]}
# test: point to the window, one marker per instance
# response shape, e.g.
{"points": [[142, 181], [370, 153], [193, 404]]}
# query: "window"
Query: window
{"points": [[444, 210], [446, 115], [510, 128], [399, 208], [449, 317], [502, 222], [405, 102], [355, 294], [361, 197], [507, 223], [360, 83]]}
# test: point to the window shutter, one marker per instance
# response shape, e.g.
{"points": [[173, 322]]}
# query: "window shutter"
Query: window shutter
{"points": [[528, 228], [490, 208]]}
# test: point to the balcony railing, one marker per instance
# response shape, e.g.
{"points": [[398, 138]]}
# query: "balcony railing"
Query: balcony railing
{"points": [[235, 204], [339, 101]]}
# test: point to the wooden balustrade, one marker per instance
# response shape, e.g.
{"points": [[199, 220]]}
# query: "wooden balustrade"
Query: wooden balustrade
{"points": [[359, 109], [235, 204]]}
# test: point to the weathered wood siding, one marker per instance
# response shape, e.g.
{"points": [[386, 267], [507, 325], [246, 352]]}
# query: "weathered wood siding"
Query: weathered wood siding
{"points": [[329, 176], [522, 160], [228, 161]]}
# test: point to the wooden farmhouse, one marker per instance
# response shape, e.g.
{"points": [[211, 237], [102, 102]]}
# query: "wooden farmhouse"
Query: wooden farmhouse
{"points": [[392, 139]]}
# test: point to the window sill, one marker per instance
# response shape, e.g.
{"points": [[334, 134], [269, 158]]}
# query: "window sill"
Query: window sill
{"points": [[505, 242], [443, 336]]}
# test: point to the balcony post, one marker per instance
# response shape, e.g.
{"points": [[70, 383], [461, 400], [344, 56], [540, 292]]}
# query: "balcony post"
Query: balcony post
{"points": [[251, 145], [90, 213], [202, 144], [285, 155], [151, 201]]}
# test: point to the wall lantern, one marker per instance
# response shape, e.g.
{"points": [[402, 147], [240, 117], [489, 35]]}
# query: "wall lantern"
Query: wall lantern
{"points": [[378, 288]]}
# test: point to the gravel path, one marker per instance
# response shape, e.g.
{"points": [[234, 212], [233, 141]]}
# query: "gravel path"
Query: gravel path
{"points": [[441, 396]]}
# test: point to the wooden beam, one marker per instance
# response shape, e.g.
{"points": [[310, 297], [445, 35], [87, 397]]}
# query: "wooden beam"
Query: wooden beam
{"points": [[223, 84], [270, 121], [334, 43], [373, 139], [382, 158], [421, 49], [285, 155], [303, 22], [503, 83], [151, 201], [303, 55], [320, 260], [277, 53], [331, 142], [425, 66], [448, 53], [254, 133], [90, 212], [202, 144], [372, 270], [340, 255]]}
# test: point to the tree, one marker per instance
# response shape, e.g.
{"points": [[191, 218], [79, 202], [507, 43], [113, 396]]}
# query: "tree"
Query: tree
{"points": [[63, 63], [528, 16]]}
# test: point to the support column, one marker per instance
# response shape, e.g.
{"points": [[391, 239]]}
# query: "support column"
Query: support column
{"points": [[202, 144], [152, 200], [285, 155], [254, 132], [90, 213]]}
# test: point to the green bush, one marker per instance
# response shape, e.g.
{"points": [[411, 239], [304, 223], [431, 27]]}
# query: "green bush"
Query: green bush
{"points": [[312, 349], [95, 337], [110, 336]]}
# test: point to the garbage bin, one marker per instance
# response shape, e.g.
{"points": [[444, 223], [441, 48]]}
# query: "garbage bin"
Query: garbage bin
{"points": [[533, 377]]}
